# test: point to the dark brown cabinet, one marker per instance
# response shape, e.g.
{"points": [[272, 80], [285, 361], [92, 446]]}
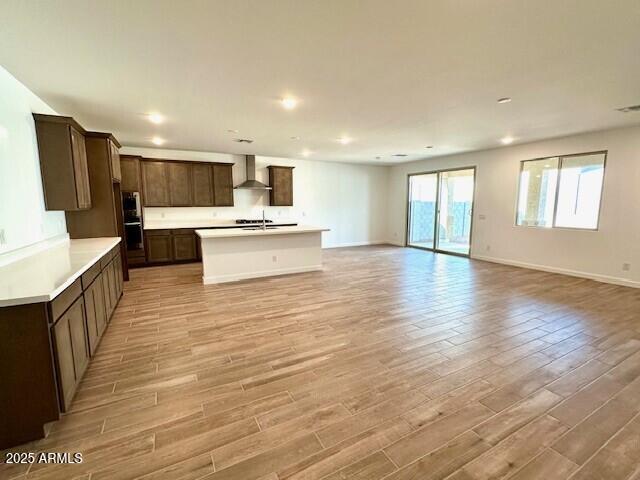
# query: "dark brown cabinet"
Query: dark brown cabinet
{"points": [[158, 246], [48, 347], [167, 246], [96, 312], [114, 156], [203, 185], [130, 173], [155, 184], [281, 182], [223, 184], [70, 336], [184, 246], [63, 163], [173, 183], [180, 184]]}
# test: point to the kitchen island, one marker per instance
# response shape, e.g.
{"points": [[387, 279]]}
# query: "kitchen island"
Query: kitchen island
{"points": [[240, 253]]}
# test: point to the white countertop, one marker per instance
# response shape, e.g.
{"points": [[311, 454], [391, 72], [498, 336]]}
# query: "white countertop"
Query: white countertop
{"points": [[43, 276], [243, 232], [161, 224]]}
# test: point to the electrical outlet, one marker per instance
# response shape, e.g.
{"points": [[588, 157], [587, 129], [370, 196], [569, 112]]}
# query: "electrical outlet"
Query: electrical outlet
{"points": [[482, 217], [304, 214], [162, 215], [488, 248], [214, 214], [395, 234], [274, 258], [626, 267], [3, 239]]}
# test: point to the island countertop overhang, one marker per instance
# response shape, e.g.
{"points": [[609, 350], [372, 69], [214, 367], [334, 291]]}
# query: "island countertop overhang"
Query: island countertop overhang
{"points": [[257, 231]]}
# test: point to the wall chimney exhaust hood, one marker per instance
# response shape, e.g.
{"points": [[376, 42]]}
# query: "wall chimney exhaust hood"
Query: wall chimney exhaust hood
{"points": [[251, 183]]}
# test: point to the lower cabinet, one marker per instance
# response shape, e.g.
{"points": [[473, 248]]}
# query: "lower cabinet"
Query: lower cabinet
{"points": [[168, 246], [47, 347], [96, 312], [184, 246], [158, 246], [70, 336], [76, 333]]}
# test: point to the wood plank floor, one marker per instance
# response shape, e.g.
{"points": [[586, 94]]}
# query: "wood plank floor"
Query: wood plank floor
{"points": [[392, 363]]}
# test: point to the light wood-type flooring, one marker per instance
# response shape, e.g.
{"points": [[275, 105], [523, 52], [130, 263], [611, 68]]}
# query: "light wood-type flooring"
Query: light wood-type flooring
{"points": [[391, 363]]}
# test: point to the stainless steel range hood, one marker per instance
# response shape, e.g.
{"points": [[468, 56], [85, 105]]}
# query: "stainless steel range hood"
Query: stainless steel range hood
{"points": [[251, 183]]}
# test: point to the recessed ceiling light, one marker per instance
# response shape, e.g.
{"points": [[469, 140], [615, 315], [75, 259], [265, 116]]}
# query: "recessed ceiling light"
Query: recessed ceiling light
{"points": [[306, 153], [243, 140], [289, 103], [232, 130], [507, 140], [399, 154], [429, 146], [344, 140], [294, 138], [504, 100], [547, 166], [158, 140], [155, 118]]}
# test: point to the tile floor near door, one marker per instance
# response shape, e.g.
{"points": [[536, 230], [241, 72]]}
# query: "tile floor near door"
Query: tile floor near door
{"points": [[392, 363]]}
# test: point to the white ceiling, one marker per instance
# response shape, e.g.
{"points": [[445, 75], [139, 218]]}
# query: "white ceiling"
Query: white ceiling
{"points": [[393, 75]]}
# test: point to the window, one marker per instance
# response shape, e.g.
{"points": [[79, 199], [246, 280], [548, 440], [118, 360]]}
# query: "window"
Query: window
{"points": [[561, 191]]}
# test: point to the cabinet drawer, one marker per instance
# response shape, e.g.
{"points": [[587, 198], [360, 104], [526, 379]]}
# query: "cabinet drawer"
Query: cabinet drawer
{"points": [[90, 275], [63, 301]]}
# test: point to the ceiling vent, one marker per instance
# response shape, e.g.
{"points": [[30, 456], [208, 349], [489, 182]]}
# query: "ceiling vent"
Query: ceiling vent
{"points": [[632, 108], [242, 140]]}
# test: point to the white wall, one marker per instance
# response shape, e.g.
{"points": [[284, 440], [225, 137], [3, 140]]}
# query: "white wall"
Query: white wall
{"points": [[23, 219], [598, 254], [349, 199]]}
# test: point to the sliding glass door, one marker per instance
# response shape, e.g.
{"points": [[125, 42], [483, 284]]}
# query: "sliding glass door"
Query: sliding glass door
{"points": [[423, 191], [440, 210]]}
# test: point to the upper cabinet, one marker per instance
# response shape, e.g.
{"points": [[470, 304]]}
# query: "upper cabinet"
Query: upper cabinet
{"points": [[169, 183], [155, 183], [114, 155], [130, 173], [203, 185], [281, 182], [63, 163], [223, 184], [180, 184]]}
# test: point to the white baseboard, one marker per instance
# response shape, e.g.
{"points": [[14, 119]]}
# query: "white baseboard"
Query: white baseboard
{"points": [[564, 271], [356, 244], [265, 273]]}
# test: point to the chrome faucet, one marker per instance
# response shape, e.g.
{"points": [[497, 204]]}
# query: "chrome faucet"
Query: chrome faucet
{"points": [[264, 221]]}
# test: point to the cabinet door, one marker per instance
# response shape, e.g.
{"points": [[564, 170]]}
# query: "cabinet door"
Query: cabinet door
{"points": [[281, 181], [81, 170], [184, 247], [113, 285], [180, 184], [92, 317], [130, 174], [64, 360], [78, 329], [106, 291], [117, 267], [96, 313], [155, 184], [202, 185], [114, 154], [158, 246], [223, 185]]}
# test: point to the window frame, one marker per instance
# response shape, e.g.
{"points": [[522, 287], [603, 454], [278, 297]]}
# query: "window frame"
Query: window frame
{"points": [[557, 192]]}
